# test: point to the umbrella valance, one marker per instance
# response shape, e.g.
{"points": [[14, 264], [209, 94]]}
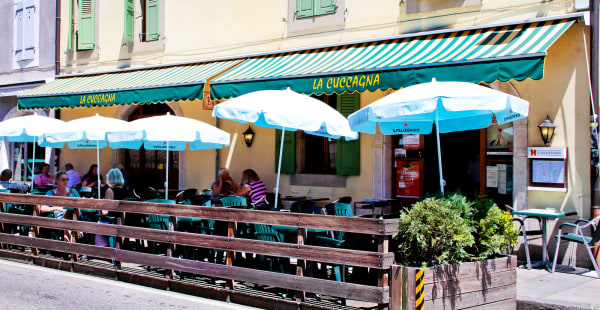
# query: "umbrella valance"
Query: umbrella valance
{"points": [[184, 82], [487, 54]]}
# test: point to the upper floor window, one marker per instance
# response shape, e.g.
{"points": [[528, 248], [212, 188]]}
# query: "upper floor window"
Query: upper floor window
{"points": [[86, 26], [309, 154], [26, 32], [150, 20], [310, 8]]}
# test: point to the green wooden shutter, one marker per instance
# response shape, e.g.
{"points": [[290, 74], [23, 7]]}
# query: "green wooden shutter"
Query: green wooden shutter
{"points": [[70, 34], [86, 33], [323, 7], [348, 152], [288, 163], [152, 20], [304, 8], [129, 21]]}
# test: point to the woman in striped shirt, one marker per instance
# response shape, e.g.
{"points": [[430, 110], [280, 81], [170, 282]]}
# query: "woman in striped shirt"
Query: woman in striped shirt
{"points": [[253, 187]]}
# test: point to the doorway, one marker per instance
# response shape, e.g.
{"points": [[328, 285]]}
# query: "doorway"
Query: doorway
{"points": [[147, 167], [460, 162]]}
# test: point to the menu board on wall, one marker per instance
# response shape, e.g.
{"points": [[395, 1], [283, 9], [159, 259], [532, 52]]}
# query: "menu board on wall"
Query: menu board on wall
{"points": [[548, 167], [547, 171]]}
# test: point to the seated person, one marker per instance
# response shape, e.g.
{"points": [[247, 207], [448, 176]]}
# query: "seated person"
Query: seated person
{"points": [[74, 176], [5, 182], [224, 185], [253, 187], [115, 191], [61, 190], [90, 179], [43, 179]]}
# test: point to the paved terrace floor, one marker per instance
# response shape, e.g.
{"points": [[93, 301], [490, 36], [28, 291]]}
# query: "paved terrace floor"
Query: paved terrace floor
{"points": [[540, 289]]}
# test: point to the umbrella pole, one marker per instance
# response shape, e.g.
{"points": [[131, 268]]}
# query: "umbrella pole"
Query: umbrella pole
{"points": [[167, 172], [437, 132], [279, 167], [98, 160], [32, 165]]}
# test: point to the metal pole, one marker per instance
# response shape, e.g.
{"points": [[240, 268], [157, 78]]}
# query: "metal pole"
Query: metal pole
{"points": [[279, 167], [32, 165], [167, 172], [437, 132], [98, 160]]}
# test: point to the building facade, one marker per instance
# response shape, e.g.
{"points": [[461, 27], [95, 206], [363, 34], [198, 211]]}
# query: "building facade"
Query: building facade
{"points": [[116, 59], [28, 48]]}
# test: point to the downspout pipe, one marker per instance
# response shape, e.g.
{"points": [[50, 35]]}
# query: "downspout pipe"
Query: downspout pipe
{"points": [[57, 40], [594, 42]]}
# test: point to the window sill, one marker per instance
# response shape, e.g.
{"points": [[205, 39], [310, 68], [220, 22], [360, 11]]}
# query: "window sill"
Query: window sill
{"points": [[323, 180]]}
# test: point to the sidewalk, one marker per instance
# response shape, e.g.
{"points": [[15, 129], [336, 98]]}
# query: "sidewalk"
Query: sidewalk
{"points": [[33, 287], [540, 289]]}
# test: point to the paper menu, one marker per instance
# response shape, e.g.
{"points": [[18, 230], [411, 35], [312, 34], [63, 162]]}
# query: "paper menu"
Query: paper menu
{"points": [[548, 171], [501, 178], [492, 176]]}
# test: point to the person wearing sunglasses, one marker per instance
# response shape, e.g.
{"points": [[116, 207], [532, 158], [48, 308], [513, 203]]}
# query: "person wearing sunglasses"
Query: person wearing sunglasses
{"points": [[60, 180]]}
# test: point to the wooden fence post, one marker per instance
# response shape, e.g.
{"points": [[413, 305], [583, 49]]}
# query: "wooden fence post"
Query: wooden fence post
{"points": [[118, 240], [231, 228], [301, 264], [171, 248], [35, 229], [383, 274]]}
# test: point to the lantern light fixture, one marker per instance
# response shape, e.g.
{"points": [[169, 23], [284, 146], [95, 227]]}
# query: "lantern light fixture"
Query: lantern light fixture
{"points": [[547, 130], [248, 136]]}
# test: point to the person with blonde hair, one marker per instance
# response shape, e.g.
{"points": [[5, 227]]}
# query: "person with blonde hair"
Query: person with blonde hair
{"points": [[253, 187]]}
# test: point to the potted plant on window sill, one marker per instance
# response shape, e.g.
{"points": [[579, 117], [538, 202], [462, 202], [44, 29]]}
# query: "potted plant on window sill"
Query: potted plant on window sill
{"points": [[452, 254]]}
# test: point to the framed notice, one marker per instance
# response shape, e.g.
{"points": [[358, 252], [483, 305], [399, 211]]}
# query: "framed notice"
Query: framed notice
{"points": [[547, 168]]}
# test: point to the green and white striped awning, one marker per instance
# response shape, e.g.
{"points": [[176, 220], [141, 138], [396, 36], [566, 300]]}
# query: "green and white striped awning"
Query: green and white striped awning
{"points": [[474, 55], [164, 84]]}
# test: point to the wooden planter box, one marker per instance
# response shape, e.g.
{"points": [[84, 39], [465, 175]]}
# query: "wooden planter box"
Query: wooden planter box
{"points": [[489, 284]]}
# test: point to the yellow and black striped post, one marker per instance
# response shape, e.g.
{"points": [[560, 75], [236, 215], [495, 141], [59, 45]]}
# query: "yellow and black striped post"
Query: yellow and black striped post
{"points": [[420, 289]]}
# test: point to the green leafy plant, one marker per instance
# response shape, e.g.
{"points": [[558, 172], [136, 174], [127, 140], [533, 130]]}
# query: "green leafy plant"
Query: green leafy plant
{"points": [[452, 229]]}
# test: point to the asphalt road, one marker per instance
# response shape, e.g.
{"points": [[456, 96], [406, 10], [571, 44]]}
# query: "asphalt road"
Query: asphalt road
{"points": [[32, 287]]}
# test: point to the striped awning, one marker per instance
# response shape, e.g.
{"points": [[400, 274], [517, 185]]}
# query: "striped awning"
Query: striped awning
{"points": [[163, 84], [474, 55]]}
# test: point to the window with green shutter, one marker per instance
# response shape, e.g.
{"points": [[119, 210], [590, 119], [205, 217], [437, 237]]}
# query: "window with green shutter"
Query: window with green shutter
{"points": [[129, 21], [288, 161], [86, 32], [310, 8], [151, 20], [348, 152], [324, 7]]}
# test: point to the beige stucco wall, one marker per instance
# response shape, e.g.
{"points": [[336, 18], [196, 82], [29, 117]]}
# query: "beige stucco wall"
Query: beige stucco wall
{"points": [[563, 94], [202, 30]]}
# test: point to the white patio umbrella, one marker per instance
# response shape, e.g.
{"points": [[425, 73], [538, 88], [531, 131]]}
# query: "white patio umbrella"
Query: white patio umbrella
{"points": [[92, 133], [29, 128], [286, 110], [175, 133], [451, 106]]}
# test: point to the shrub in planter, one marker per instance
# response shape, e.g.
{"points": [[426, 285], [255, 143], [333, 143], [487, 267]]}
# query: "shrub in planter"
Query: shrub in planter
{"points": [[452, 229]]}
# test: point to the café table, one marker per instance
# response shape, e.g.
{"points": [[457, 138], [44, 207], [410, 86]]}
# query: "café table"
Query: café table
{"points": [[373, 204], [304, 198], [544, 214]]}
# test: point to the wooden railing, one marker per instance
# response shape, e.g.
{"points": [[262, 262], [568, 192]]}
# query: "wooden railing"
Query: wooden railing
{"points": [[381, 229]]}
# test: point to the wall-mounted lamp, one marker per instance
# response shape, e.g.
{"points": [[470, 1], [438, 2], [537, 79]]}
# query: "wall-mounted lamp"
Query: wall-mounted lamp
{"points": [[248, 136], [547, 130]]}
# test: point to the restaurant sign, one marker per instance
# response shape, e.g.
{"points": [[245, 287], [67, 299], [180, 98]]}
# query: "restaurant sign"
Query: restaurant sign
{"points": [[341, 83]]}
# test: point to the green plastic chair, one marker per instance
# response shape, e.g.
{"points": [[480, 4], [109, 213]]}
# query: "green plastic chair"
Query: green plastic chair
{"points": [[156, 221], [577, 235], [268, 233], [337, 239], [234, 201]]}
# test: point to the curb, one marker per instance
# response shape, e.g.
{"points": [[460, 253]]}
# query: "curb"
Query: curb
{"points": [[524, 303]]}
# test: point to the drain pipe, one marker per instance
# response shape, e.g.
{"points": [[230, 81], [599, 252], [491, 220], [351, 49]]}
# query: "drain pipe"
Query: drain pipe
{"points": [[57, 40]]}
